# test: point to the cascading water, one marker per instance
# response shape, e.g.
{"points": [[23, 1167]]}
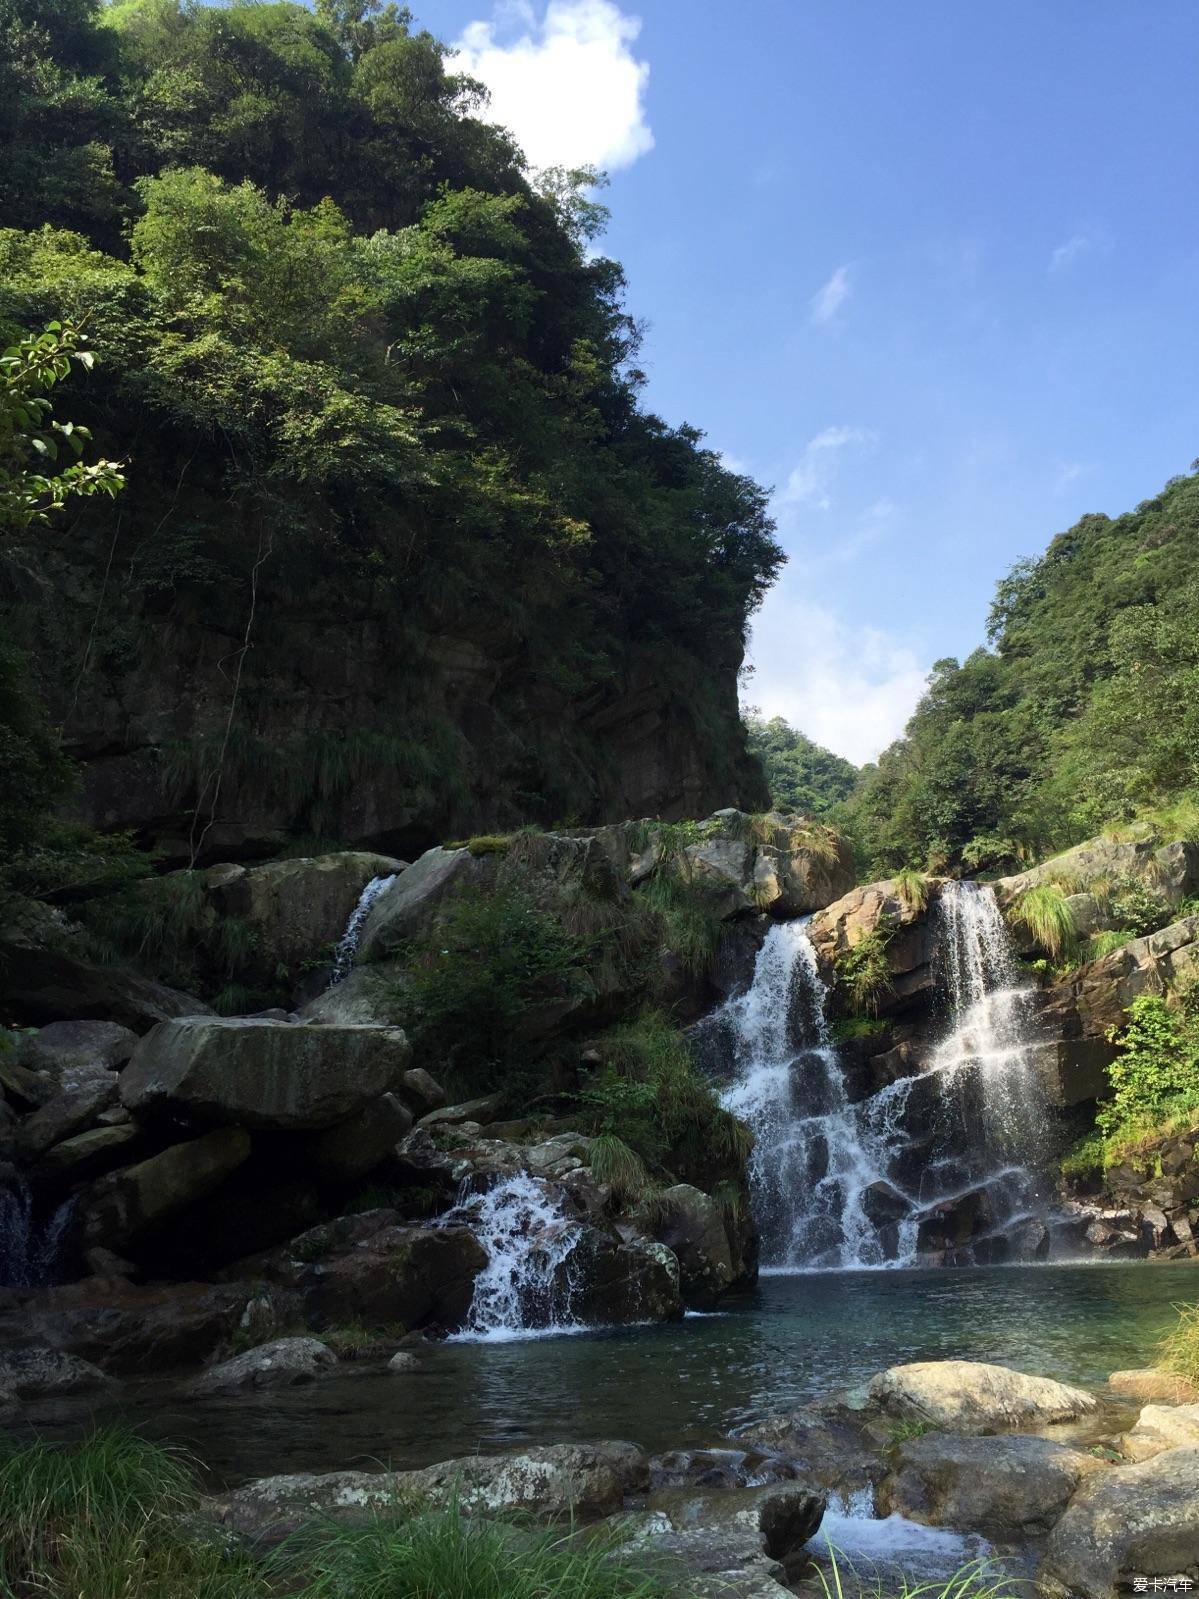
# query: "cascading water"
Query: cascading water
{"points": [[30, 1247], [842, 1182], [818, 1160], [528, 1283], [347, 944]]}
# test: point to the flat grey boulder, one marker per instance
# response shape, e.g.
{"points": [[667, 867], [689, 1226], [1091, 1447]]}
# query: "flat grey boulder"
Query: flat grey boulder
{"points": [[63, 1046], [1131, 1521], [283, 1363], [1158, 1428], [550, 1480], [968, 1396], [262, 1074], [1006, 1487], [45, 1373]]}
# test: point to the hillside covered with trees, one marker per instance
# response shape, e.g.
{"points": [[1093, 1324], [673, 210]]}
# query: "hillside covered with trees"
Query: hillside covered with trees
{"points": [[400, 551], [805, 778], [1082, 713]]}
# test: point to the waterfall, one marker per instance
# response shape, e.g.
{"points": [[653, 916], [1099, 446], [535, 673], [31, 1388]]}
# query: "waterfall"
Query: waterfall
{"points": [[820, 1167], [891, 1179], [347, 944], [30, 1248], [528, 1283]]}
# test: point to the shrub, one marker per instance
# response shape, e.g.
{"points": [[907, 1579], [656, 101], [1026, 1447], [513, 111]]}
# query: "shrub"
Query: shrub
{"points": [[864, 971], [1137, 905], [1045, 912], [475, 976], [1156, 1073]]}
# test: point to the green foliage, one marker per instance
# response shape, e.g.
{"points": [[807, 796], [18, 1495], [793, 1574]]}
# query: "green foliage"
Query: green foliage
{"points": [[650, 1095], [846, 1029], [366, 360], [441, 1554], [864, 971], [1045, 911], [1083, 713], [1156, 1073], [1138, 906], [33, 482], [351, 1340], [804, 779], [1178, 1352], [912, 888], [621, 1168], [1087, 1159], [487, 964], [105, 1518], [1106, 943], [978, 1579], [903, 1431]]}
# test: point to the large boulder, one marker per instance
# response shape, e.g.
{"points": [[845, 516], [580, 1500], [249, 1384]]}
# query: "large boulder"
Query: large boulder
{"points": [[42, 983], [295, 908], [556, 1480], [354, 1147], [621, 1282], [1158, 1428], [908, 930], [829, 1445], [1130, 1522], [415, 896], [283, 1363], [1171, 870], [371, 1268], [1008, 1488], [41, 1373], [264, 1074], [135, 1199], [971, 1397], [68, 1046], [690, 1223], [66, 1114], [127, 1329], [89, 1154]]}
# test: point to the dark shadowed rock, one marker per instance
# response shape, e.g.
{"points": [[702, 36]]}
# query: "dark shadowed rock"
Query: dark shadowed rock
{"points": [[124, 1204], [356, 1146], [262, 1074], [67, 1113], [1012, 1487], [691, 1225], [67, 1045], [41, 1373]]}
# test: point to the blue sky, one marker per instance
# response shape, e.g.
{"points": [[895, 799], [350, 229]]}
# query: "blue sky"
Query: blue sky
{"points": [[928, 267]]}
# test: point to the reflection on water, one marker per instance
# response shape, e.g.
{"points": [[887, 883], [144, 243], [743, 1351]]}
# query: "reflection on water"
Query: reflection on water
{"points": [[796, 1339]]}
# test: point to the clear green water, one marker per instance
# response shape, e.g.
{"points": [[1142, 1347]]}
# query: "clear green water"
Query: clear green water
{"points": [[795, 1339]]}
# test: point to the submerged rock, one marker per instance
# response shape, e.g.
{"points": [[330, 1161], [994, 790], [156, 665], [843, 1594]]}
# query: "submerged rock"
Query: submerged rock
{"points": [[1012, 1487], [968, 1396], [1132, 1521], [283, 1363]]}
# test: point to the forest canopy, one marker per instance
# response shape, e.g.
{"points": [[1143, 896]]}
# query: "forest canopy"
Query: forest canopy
{"points": [[1082, 713]]}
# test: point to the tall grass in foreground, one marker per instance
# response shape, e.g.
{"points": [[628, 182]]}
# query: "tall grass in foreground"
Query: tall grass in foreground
{"points": [[1178, 1352], [443, 1555], [106, 1519], [977, 1579]]}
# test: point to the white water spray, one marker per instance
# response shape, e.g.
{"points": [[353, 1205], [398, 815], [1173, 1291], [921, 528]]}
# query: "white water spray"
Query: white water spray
{"points": [[528, 1283], [347, 945], [29, 1248], [817, 1159]]}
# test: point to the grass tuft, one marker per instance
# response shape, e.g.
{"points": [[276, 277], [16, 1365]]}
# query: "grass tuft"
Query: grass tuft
{"points": [[1178, 1352], [621, 1168], [912, 889], [1045, 912]]}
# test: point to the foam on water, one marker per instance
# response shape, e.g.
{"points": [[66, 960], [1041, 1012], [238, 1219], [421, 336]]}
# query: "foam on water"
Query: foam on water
{"points": [[347, 944]]}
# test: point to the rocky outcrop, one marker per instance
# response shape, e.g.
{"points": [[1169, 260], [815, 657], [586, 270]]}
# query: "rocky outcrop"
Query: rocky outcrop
{"points": [[970, 1397], [1170, 870], [1092, 999], [907, 929], [691, 1225], [1007, 1488], [1123, 1524], [260, 1073], [283, 1363], [555, 1480], [1158, 1427]]}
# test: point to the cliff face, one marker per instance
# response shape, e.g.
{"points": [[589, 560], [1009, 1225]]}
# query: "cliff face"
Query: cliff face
{"points": [[331, 712]]}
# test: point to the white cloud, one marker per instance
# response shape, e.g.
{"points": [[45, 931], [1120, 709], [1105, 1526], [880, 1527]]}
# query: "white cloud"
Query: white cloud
{"points": [[1069, 472], [811, 480], [829, 299], [850, 688], [1094, 242], [568, 86]]}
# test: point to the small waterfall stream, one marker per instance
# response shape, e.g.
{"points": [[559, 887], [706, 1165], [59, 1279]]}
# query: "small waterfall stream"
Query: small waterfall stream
{"points": [[30, 1245], [843, 1183], [347, 944], [527, 1285]]}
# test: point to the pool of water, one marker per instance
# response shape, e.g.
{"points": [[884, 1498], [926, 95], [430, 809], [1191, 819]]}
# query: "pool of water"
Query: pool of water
{"points": [[795, 1339]]}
